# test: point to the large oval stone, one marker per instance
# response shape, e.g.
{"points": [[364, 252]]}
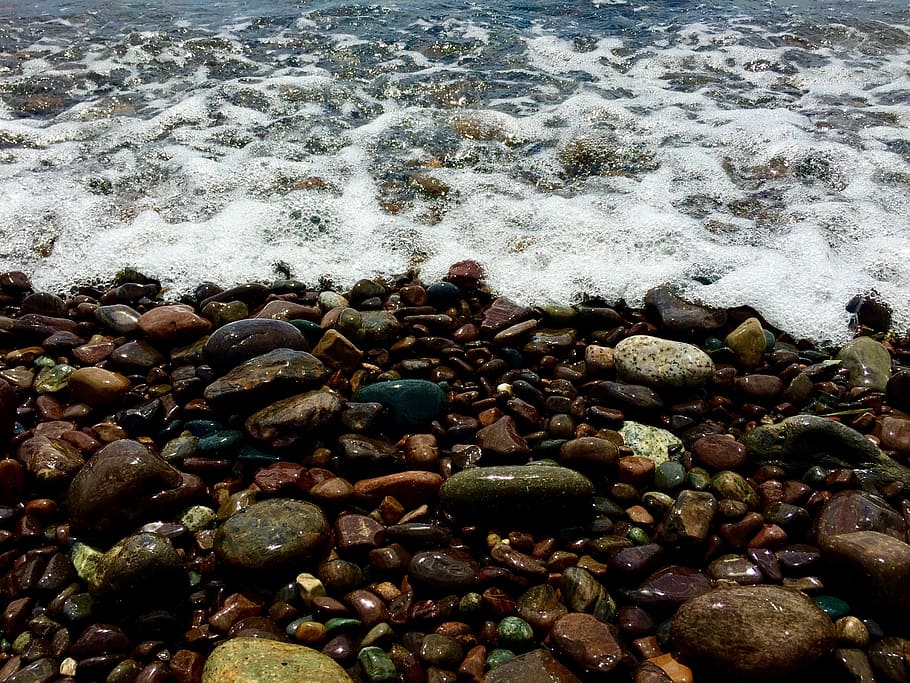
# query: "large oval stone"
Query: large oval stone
{"points": [[271, 535], [872, 566], [642, 359], [272, 374], [259, 660], [526, 495], [868, 363], [755, 633], [241, 340], [173, 323], [410, 402], [124, 483], [848, 511]]}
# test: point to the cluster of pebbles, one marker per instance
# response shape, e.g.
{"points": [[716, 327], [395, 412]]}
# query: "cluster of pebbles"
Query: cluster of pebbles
{"points": [[423, 482]]}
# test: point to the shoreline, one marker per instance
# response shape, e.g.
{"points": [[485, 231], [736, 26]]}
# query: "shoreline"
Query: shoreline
{"points": [[285, 467]]}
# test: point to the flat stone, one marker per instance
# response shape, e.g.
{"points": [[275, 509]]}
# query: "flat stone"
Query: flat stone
{"points": [[635, 396], [588, 453], [410, 488], [97, 387], [536, 666], [445, 569], [173, 323], [272, 534], [719, 452], [280, 371], [757, 633], [868, 363], [410, 402], [642, 359], [895, 434], [587, 642], [136, 355], [873, 566], [678, 315], [236, 342], [520, 494], [260, 660], [650, 442], [294, 419], [748, 343], [124, 483], [503, 313], [378, 329], [540, 607], [669, 587]]}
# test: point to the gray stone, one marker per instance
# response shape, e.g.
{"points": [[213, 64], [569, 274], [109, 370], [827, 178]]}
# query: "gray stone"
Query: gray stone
{"points": [[650, 442], [868, 362], [643, 359]]}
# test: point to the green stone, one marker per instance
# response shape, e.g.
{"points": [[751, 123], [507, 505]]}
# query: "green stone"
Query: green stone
{"points": [[202, 427], [312, 331], [349, 321], [868, 363], [377, 665], [380, 633], [515, 633], [51, 380], [638, 536], [410, 402], [44, 362], [656, 501], [698, 478], [816, 476], [470, 604], [250, 455], [714, 343], [653, 443], [748, 343], [85, 560], [337, 625], [669, 475], [197, 518], [125, 672], [78, 608], [834, 607], [180, 448], [219, 443], [498, 656], [329, 300], [526, 495], [378, 329], [729, 484], [260, 660], [581, 592]]}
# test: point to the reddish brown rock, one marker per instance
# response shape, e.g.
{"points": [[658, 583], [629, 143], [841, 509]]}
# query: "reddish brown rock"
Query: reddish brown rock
{"points": [[587, 642], [719, 452], [174, 323], [502, 440], [410, 488]]}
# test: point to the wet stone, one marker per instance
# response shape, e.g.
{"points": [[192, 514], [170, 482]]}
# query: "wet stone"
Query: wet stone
{"points": [[735, 568], [748, 343], [523, 494], [871, 565], [173, 323], [410, 402], [631, 396], [587, 642], [540, 607], [445, 569], [669, 587], [270, 535], [895, 434], [50, 461], [719, 452], [502, 440], [97, 387], [279, 371], [642, 359], [236, 342], [689, 520], [732, 485], [260, 660], [140, 571], [867, 362], [848, 511], [536, 666], [294, 419], [136, 355], [588, 453], [337, 351], [581, 592], [681, 316], [753, 632], [653, 443]]}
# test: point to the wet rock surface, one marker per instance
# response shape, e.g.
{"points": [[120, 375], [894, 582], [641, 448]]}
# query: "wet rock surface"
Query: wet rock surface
{"points": [[418, 481]]}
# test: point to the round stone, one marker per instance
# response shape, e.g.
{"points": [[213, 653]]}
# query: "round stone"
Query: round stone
{"points": [[260, 660], [241, 340], [410, 402], [719, 452], [97, 387], [756, 633], [272, 534], [173, 323], [867, 362], [281, 371], [650, 442], [520, 494], [642, 359], [141, 570]]}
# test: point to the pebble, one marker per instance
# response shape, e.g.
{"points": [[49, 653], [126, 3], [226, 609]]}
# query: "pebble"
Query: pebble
{"points": [[748, 343], [524, 494], [719, 452], [757, 633], [848, 511], [587, 642], [293, 419], [270, 535], [118, 318], [867, 362], [536, 666], [337, 351], [259, 660], [642, 359], [238, 341], [52, 462], [650, 442], [502, 441], [689, 519], [97, 387], [173, 323], [410, 402], [279, 371], [141, 570], [678, 315], [873, 566]]}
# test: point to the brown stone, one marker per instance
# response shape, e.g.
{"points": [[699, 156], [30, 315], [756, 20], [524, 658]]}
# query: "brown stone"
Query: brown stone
{"points": [[502, 440], [337, 351], [719, 452], [173, 323], [873, 566], [587, 642], [97, 387], [411, 488], [536, 666]]}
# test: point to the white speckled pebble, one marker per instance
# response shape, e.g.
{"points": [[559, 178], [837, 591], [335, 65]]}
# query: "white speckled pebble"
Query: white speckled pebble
{"points": [[642, 359]]}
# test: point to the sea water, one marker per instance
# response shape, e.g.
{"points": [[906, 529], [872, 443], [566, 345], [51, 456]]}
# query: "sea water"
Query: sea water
{"points": [[748, 153]]}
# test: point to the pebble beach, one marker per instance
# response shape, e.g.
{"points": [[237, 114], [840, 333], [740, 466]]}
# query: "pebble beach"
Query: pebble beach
{"points": [[424, 481]]}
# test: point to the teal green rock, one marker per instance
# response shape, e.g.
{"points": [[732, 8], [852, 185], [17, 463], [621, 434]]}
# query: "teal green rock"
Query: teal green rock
{"points": [[219, 443], [698, 478], [729, 484], [868, 362], [651, 442], [515, 633], [276, 373], [642, 359], [748, 343], [337, 625], [638, 536], [525, 495], [411, 402], [272, 534], [497, 657], [669, 475], [834, 607], [377, 665], [259, 660], [803, 441]]}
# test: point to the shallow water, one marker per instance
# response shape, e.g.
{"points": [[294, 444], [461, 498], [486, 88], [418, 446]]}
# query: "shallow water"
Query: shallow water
{"points": [[752, 153]]}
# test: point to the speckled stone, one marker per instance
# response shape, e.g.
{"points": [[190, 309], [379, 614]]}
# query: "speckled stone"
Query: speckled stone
{"points": [[848, 511], [642, 359], [272, 534], [650, 442], [868, 363], [586, 642], [118, 318], [523, 494], [50, 461], [756, 633], [260, 660], [748, 343], [873, 566], [278, 371]]}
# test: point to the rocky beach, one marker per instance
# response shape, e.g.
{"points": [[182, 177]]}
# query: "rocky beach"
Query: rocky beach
{"points": [[426, 482]]}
